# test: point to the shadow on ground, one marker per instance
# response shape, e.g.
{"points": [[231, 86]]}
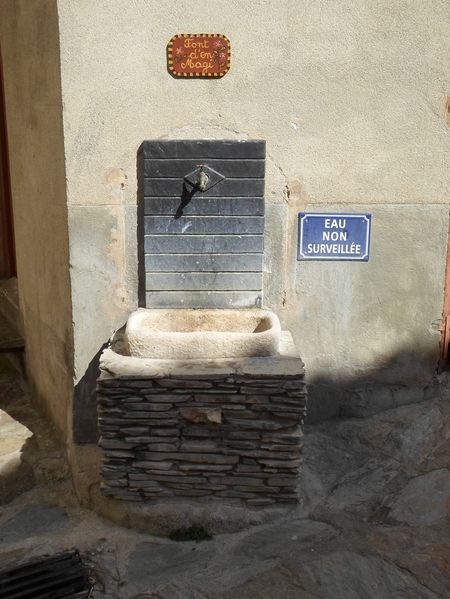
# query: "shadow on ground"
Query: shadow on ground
{"points": [[373, 521], [29, 452]]}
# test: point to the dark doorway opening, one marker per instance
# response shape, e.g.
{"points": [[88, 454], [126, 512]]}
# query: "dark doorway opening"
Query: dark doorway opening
{"points": [[7, 252]]}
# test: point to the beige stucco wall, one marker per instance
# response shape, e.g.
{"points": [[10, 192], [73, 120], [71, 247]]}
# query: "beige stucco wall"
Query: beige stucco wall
{"points": [[351, 98], [30, 50]]}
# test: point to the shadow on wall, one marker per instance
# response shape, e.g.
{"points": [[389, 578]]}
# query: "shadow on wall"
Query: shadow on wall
{"points": [[408, 376], [85, 428], [383, 387], [367, 392], [140, 231]]}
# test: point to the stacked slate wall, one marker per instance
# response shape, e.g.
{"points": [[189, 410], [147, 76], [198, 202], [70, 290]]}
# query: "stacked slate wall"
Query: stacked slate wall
{"points": [[228, 437]]}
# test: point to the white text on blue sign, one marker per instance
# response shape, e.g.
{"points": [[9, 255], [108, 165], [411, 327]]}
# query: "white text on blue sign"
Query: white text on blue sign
{"points": [[324, 236]]}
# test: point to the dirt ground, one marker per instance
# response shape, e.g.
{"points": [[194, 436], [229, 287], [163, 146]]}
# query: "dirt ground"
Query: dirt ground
{"points": [[373, 521]]}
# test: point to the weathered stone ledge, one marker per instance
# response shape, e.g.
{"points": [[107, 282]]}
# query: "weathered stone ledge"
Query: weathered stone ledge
{"points": [[115, 363]]}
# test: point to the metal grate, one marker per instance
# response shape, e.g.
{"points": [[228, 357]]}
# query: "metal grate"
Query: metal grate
{"points": [[62, 576]]}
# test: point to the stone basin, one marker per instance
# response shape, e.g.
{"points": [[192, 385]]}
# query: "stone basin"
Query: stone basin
{"points": [[179, 334]]}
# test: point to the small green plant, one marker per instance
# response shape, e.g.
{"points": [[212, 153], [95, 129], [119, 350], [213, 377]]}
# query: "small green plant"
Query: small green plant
{"points": [[192, 533]]}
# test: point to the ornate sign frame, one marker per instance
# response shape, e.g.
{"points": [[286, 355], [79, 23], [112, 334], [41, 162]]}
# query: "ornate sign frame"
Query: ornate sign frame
{"points": [[198, 55]]}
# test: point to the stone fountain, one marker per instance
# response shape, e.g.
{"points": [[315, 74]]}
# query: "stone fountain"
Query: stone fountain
{"points": [[201, 395]]}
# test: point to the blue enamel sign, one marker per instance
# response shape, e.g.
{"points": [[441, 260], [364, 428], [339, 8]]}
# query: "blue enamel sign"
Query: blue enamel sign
{"points": [[323, 236]]}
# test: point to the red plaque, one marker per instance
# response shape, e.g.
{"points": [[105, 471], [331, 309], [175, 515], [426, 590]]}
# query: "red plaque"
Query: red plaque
{"points": [[198, 55]]}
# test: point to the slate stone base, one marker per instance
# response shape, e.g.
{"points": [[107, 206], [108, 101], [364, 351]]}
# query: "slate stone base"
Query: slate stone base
{"points": [[223, 429]]}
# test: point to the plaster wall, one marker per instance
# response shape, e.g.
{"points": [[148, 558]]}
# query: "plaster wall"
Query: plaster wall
{"points": [[351, 98], [30, 51]]}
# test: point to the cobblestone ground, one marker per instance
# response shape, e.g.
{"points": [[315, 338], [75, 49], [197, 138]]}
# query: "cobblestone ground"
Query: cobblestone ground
{"points": [[373, 522]]}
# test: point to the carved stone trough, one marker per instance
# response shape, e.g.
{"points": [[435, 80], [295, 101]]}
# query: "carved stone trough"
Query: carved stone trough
{"points": [[194, 334]]}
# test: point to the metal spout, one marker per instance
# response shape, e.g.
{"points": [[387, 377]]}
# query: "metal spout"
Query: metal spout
{"points": [[202, 179]]}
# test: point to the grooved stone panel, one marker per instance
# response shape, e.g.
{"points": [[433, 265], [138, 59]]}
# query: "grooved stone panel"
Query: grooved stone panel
{"points": [[197, 281], [202, 248], [204, 244], [227, 187], [194, 225], [205, 206], [207, 262], [161, 167], [204, 299], [204, 148]]}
